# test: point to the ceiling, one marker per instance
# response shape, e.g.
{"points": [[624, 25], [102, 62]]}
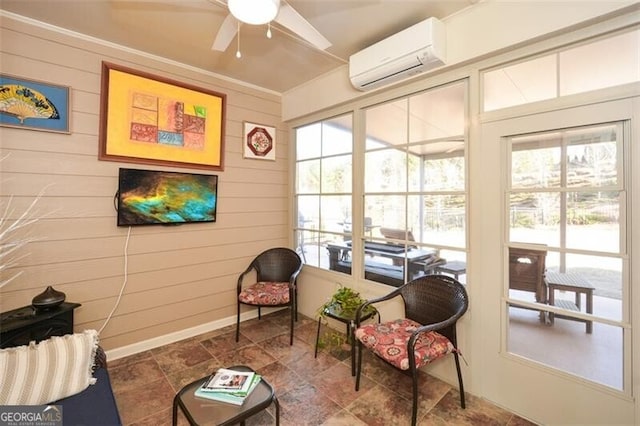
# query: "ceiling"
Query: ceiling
{"points": [[184, 30]]}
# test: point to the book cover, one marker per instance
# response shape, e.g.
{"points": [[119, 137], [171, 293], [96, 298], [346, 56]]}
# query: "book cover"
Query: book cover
{"points": [[229, 397], [225, 380]]}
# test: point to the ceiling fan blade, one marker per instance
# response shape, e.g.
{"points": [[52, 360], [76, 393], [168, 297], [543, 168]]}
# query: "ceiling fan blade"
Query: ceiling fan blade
{"points": [[226, 33], [291, 19]]}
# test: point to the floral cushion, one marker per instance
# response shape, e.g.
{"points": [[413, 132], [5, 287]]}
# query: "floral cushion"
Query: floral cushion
{"points": [[389, 341], [265, 293]]}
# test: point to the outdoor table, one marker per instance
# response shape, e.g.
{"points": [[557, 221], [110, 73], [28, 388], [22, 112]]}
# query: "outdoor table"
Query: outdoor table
{"points": [[574, 283]]}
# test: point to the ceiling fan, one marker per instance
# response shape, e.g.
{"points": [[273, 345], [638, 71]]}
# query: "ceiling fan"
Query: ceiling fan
{"points": [[260, 12]]}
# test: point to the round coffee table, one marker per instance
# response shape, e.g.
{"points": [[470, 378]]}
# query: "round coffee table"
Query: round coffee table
{"points": [[202, 411]]}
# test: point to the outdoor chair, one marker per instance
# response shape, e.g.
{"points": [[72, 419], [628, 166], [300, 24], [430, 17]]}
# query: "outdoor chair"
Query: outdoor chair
{"points": [[347, 229], [302, 223], [398, 234], [277, 270], [526, 273], [426, 332]]}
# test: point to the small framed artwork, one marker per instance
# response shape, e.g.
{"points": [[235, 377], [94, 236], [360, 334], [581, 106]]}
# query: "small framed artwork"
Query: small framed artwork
{"points": [[33, 105], [259, 141], [154, 120]]}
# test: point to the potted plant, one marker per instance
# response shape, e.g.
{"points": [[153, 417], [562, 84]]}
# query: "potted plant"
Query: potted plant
{"points": [[342, 306]]}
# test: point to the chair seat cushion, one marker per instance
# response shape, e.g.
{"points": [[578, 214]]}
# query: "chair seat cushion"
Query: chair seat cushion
{"points": [[265, 293], [389, 341]]}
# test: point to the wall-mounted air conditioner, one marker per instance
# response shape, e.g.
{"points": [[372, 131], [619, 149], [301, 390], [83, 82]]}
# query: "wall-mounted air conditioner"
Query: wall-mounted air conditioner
{"points": [[418, 48]]}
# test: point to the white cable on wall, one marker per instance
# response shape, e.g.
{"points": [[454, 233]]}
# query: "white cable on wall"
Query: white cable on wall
{"points": [[124, 283]]}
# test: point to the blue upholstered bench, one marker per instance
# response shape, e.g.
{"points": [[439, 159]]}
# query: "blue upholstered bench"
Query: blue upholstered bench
{"points": [[94, 406]]}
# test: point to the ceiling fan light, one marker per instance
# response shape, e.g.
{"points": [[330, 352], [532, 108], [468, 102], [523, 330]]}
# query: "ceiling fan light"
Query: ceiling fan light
{"points": [[255, 12]]}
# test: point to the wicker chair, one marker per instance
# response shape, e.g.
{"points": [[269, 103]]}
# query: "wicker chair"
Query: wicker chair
{"points": [[277, 270], [432, 305]]}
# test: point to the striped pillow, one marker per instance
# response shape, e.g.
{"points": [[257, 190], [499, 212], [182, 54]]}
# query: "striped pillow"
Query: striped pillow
{"points": [[55, 368]]}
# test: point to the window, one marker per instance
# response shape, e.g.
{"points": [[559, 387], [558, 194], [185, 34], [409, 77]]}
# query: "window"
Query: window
{"points": [[413, 195], [595, 65], [323, 186], [566, 194], [414, 185]]}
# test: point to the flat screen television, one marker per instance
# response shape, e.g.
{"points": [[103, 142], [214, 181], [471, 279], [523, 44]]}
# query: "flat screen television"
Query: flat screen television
{"points": [[149, 197]]}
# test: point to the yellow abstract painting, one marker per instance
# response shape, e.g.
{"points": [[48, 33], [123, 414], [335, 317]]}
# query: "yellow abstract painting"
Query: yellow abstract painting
{"points": [[150, 119]]}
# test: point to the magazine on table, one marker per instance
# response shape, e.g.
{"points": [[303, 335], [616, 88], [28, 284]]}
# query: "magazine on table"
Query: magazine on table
{"points": [[231, 381], [224, 395]]}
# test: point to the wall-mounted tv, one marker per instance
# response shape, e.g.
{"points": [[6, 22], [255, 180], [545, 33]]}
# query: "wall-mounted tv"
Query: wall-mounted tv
{"points": [[148, 197]]}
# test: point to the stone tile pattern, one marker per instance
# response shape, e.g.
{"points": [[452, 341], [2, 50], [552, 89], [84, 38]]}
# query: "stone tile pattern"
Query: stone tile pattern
{"points": [[311, 391]]}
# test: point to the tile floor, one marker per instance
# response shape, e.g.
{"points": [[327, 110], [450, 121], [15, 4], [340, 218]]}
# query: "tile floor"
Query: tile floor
{"points": [[311, 391]]}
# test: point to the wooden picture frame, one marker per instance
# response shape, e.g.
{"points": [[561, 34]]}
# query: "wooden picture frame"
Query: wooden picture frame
{"points": [[259, 141], [154, 120], [34, 105]]}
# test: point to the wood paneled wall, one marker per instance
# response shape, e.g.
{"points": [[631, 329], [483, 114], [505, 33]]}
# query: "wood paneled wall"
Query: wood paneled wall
{"points": [[177, 277]]}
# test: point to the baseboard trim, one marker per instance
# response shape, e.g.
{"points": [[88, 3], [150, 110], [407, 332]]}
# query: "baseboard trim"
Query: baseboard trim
{"points": [[176, 336]]}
